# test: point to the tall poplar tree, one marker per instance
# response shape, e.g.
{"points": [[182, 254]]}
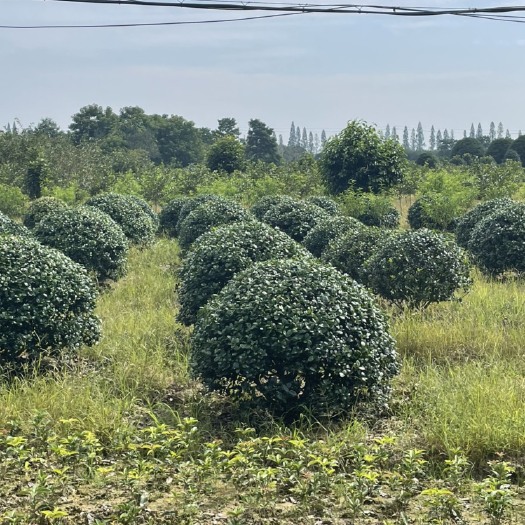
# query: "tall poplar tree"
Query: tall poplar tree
{"points": [[323, 138], [394, 135], [439, 138], [420, 137], [500, 130], [291, 139], [479, 133], [413, 140], [387, 131], [406, 141], [445, 134], [492, 132], [432, 140], [311, 143], [472, 131], [304, 139]]}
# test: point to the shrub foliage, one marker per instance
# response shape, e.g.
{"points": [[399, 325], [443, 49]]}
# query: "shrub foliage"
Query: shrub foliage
{"points": [[47, 302], [326, 203], [169, 216], [10, 227], [264, 204], [294, 333], [39, 208]]}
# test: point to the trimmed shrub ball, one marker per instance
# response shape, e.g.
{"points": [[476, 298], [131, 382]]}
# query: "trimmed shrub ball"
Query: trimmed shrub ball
{"points": [[294, 334], [260, 207], [169, 216], [326, 203], [498, 241], [328, 229], [147, 209], [419, 217], [218, 255], [418, 268], [47, 303], [349, 252], [88, 236], [194, 202], [296, 218], [467, 222], [383, 217], [39, 208], [137, 226], [207, 216], [10, 227]]}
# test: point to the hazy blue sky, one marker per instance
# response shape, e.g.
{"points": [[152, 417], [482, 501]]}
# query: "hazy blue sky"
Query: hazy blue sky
{"points": [[318, 70]]}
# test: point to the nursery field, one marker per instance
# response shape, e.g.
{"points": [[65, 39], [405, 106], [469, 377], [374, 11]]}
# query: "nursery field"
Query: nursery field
{"points": [[123, 434]]}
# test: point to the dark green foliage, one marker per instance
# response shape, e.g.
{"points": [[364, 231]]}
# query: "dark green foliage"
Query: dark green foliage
{"points": [[194, 202], [379, 213], [226, 154], [218, 255], [498, 241], [137, 226], [89, 237], [358, 157], [294, 334], [261, 144], [207, 216], [39, 208], [260, 208], [418, 216], [349, 251], [296, 218], [466, 223], [13, 202], [427, 159], [498, 148], [35, 177], [326, 203], [328, 229], [519, 147], [418, 268], [511, 155], [47, 302], [169, 216], [147, 209], [468, 146], [10, 227]]}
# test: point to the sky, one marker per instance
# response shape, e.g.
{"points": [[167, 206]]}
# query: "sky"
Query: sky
{"points": [[317, 70]]}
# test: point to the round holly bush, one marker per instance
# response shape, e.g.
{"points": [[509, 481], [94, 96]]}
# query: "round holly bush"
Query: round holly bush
{"points": [[260, 207], [349, 251], [296, 218], [39, 208], [169, 216], [328, 229], [498, 241], [194, 202], [218, 255], [467, 222], [89, 237], [147, 209], [47, 302], [294, 334], [418, 268], [326, 203], [137, 226], [207, 216], [10, 227]]}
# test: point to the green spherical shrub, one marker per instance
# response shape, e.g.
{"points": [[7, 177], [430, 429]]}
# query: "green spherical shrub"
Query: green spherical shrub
{"points": [[381, 216], [498, 241], [348, 252], [147, 209], [418, 216], [39, 208], [294, 334], [89, 237], [328, 229], [10, 227], [169, 216], [418, 268], [296, 218], [467, 222], [47, 303], [260, 207], [194, 202], [218, 255], [208, 216], [137, 226], [326, 203]]}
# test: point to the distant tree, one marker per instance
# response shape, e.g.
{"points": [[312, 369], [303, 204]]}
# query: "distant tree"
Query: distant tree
{"points": [[500, 130], [304, 139], [291, 139], [439, 138], [479, 132], [406, 141], [427, 159], [464, 133], [394, 135], [227, 126], [519, 147], [358, 157], [226, 154], [432, 140], [451, 134], [470, 146], [47, 127], [323, 138], [387, 131], [281, 143], [413, 140], [91, 123], [261, 144], [492, 131], [311, 148], [316, 143], [445, 134], [298, 136], [472, 131], [498, 149], [507, 134], [36, 175], [420, 138]]}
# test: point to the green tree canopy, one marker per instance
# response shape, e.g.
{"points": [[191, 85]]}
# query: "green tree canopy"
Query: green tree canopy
{"points": [[261, 143], [226, 154], [498, 149], [519, 147], [359, 157], [469, 145]]}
